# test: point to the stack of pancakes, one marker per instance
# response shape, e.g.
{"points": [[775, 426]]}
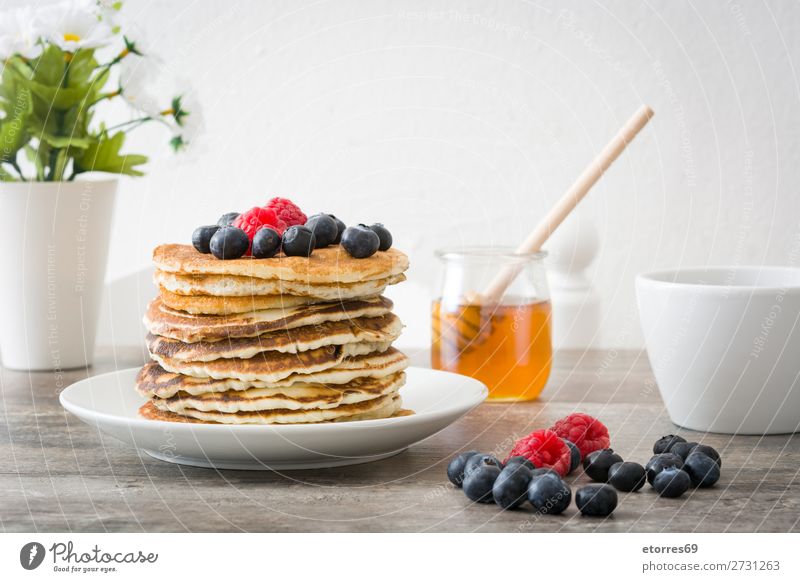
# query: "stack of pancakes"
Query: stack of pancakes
{"points": [[273, 341]]}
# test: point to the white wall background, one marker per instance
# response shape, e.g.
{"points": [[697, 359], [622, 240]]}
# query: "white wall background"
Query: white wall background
{"points": [[462, 121]]}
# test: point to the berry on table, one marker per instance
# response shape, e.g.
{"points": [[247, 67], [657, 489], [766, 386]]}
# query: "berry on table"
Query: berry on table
{"points": [[298, 241], [510, 489], [455, 469], [340, 226], [287, 211], [597, 464], [479, 460], [549, 495], [627, 476], [543, 472], [672, 482], [702, 469], [710, 451], [519, 460], [682, 449], [575, 455], [384, 236], [324, 229], [229, 242], [227, 218], [588, 433], [544, 448], [596, 500], [266, 243], [360, 241], [478, 483], [665, 443], [658, 463], [201, 237]]}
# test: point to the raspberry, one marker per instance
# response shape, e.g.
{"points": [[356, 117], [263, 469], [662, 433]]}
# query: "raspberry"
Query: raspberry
{"points": [[287, 211], [252, 220], [588, 434], [543, 448]]}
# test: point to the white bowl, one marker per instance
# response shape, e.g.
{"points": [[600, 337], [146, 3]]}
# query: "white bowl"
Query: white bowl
{"points": [[110, 402], [724, 345]]}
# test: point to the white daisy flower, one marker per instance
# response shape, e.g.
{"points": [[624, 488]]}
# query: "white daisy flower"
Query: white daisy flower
{"points": [[75, 25], [187, 114], [139, 79], [20, 32]]}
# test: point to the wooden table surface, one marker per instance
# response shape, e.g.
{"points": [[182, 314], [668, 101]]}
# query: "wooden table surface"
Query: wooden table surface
{"points": [[57, 474]]}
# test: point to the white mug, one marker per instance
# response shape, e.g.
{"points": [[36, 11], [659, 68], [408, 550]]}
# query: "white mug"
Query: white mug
{"points": [[724, 345]]}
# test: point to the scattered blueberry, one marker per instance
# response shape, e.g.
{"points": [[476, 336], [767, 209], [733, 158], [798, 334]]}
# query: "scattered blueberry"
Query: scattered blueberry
{"points": [[702, 469], [201, 237], [682, 449], [672, 482], [266, 243], [510, 489], [455, 470], [476, 461], [324, 228], [597, 464], [360, 241], [384, 236], [550, 495], [298, 241], [627, 476], [710, 451], [574, 455], [596, 500], [227, 219], [340, 226], [520, 461], [543, 471], [229, 242], [664, 444], [658, 463], [478, 483]]}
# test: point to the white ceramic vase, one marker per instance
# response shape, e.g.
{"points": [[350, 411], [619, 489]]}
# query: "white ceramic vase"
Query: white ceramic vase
{"points": [[54, 238]]}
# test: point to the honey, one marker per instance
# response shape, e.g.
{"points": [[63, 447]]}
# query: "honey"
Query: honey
{"points": [[506, 346]]}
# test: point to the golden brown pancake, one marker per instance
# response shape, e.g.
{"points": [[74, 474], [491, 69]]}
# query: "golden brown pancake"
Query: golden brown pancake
{"points": [[329, 265], [211, 305]]}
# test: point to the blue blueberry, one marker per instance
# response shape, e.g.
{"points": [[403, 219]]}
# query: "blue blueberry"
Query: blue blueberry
{"points": [[229, 242], [324, 228], [664, 444], [658, 463], [682, 449], [596, 500], [455, 470], [384, 236], [477, 461], [544, 471], [340, 227], [201, 237], [672, 482], [702, 469], [574, 455], [298, 241], [510, 489], [710, 451], [549, 495], [227, 219], [478, 483], [627, 476], [266, 243], [360, 241], [520, 460], [597, 464]]}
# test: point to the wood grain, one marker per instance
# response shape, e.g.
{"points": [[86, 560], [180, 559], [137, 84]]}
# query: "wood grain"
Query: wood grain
{"points": [[57, 474]]}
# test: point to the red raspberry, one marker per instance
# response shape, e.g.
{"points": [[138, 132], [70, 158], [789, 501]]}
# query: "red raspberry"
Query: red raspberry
{"points": [[543, 448], [252, 220], [588, 434], [287, 211]]}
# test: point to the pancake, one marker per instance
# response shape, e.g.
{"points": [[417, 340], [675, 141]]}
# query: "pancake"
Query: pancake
{"points": [[271, 366], [153, 380], [329, 265], [210, 305], [363, 329], [382, 407], [238, 286], [164, 321], [297, 397]]}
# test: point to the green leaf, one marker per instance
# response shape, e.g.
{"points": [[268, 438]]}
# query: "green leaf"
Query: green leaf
{"points": [[104, 156], [38, 157], [65, 141], [81, 67], [13, 128], [49, 66], [5, 176]]}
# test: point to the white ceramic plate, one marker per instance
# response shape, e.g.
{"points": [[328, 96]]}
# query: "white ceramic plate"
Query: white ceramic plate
{"points": [[110, 402]]}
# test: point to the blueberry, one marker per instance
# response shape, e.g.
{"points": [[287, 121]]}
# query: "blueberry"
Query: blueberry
{"points": [[340, 226], [597, 464], [384, 236], [324, 228], [682, 449], [710, 451], [627, 476], [550, 495], [229, 242], [477, 461], [544, 471], [227, 219], [360, 241], [574, 455], [298, 241], [702, 469], [520, 461], [455, 470], [478, 484], [511, 487], [266, 243], [664, 444], [658, 463], [672, 482], [201, 237], [596, 500]]}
